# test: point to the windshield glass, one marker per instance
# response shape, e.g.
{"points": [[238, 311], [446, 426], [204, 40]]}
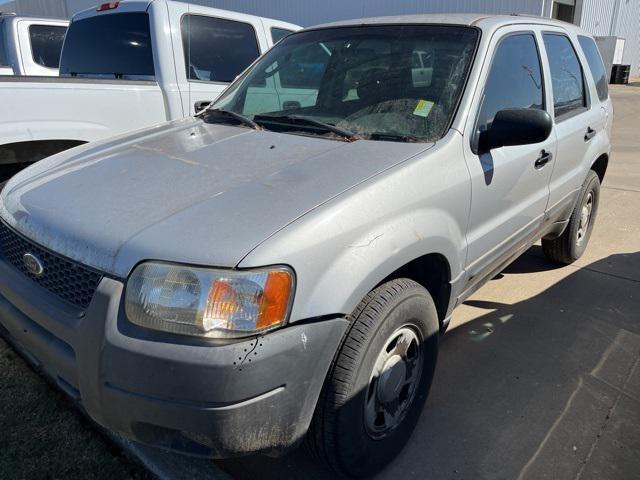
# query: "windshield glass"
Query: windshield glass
{"points": [[116, 45], [397, 83]]}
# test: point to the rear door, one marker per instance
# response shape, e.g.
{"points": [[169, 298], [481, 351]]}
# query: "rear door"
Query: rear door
{"points": [[212, 48], [509, 190], [578, 120]]}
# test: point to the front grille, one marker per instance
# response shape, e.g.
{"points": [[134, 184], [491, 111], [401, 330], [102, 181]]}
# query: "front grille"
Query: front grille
{"points": [[65, 278]]}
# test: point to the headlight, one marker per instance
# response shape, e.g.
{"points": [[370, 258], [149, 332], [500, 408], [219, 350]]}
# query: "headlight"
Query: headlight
{"points": [[206, 302]]}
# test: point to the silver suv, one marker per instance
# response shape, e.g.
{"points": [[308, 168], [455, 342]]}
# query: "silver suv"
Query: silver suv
{"points": [[282, 265]]}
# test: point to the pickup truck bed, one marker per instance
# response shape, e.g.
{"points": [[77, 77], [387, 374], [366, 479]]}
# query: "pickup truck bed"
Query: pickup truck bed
{"points": [[72, 111]]}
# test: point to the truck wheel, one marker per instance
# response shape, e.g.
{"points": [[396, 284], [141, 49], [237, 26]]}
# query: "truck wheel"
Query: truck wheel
{"points": [[379, 381], [570, 246]]}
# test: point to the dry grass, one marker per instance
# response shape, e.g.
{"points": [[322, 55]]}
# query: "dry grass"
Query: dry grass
{"points": [[42, 435]]}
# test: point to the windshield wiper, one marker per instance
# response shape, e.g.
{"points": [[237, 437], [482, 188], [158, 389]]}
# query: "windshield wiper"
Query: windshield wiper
{"points": [[236, 116], [300, 120], [394, 137]]}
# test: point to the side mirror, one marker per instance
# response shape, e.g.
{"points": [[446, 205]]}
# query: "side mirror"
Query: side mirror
{"points": [[516, 126]]}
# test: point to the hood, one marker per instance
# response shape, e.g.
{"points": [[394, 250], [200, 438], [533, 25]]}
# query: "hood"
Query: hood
{"points": [[185, 192]]}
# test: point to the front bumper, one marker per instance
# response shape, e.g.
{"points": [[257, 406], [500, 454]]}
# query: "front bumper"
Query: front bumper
{"points": [[180, 393]]}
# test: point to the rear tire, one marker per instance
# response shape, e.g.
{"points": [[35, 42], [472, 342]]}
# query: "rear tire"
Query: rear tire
{"points": [[570, 246], [379, 381]]}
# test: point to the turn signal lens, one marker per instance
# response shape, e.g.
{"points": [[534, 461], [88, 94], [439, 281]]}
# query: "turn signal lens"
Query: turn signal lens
{"points": [[210, 303]]}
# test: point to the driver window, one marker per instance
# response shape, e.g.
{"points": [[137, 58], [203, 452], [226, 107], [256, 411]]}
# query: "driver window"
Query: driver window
{"points": [[515, 80]]}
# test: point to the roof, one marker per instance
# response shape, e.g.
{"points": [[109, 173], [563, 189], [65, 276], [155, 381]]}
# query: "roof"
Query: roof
{"points": [[482, 20], [15, 17]]}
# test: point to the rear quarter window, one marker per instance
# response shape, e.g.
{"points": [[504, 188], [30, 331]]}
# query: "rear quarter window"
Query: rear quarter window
{"points": [[3, 51], [46, 44], [596, 66]]}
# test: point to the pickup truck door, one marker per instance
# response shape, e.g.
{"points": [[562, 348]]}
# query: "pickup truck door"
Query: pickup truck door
{"points": [[578, 120], [211, 48], [510, 185]]}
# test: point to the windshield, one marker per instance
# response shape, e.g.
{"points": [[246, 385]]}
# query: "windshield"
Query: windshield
{"points": [[398, 83], [116, 45]]}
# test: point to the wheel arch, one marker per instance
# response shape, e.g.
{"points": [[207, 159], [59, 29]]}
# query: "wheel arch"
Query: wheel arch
{"points": [[433, 272], [29, 151], [600, 166]]}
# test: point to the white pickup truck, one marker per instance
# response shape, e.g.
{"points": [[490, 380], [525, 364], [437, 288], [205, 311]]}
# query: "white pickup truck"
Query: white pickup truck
{"points": [[30, 45], [125, 66]]}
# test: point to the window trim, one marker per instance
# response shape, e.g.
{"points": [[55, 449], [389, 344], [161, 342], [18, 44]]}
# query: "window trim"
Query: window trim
{"points": [[586, 95], [33, 58], [186, 67], [475, 137]]}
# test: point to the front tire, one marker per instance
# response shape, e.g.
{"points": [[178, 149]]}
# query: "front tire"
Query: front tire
{"points": [[570, 246], [379, 381]]}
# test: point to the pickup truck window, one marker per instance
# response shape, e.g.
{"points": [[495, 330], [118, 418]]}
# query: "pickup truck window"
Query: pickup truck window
{"points": [[566, 75], [46, 44], [3, 49], [278, 34], [514, 81], [116, 45], [596, 66], [361, 80], [216, 49]]}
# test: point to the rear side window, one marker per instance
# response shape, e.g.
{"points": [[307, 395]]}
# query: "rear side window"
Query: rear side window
{"points": [[46, 44], [566, 75], [116, 45], [278, 34], [514, 81], [596, 66], [215, 49], [3, 48]]}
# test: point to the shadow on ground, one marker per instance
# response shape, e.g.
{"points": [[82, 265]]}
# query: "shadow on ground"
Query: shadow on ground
{"points": [[547, 387]]}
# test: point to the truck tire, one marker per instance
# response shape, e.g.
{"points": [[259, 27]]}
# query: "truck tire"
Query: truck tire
{"points": [[378, 383], [570, 246]]}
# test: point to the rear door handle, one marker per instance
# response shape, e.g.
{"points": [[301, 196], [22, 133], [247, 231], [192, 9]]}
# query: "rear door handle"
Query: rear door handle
{"points": [[544, 158], [590, 134]]}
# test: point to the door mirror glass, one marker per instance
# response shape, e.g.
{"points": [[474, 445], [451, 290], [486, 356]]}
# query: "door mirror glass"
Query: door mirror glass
{"points": [[516, 126]]}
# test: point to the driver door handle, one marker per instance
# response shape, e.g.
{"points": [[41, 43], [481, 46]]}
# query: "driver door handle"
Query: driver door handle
{"points": [[544, 158], [589, 134]]}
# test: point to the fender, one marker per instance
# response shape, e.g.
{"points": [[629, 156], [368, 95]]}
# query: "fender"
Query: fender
{"points": [[345, 247]]}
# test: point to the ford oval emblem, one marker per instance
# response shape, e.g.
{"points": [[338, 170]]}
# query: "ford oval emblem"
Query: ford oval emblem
{"points": [[33, 264]]}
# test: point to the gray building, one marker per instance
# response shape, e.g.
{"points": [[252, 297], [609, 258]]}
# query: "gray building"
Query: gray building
{"points": [[620, 18]]}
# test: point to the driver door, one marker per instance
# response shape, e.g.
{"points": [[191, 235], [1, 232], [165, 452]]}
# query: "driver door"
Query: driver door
{"points": [[510, 185]]}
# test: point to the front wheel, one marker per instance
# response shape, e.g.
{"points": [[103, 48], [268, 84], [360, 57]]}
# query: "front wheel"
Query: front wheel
{"points": [[377, 386], [570, 246]]}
